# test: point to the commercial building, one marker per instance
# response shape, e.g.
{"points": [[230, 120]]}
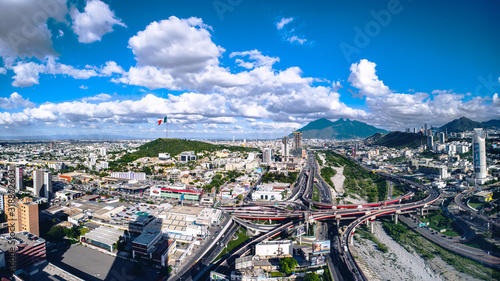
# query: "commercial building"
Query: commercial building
{"points": [[430, 142], [178, 192], [24, 215], [103, 238], [439, 171], [479, 154], [42, 183], [274, 249], [484, 196], [297, 140], [442, 138], [187, 156], [152, 245], [19, 178], [285, 149], [29, 250], [267, 155], [129, 175]]}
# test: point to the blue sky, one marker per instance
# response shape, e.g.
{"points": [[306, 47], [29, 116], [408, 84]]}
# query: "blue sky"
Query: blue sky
{"points": [[250, 69]]}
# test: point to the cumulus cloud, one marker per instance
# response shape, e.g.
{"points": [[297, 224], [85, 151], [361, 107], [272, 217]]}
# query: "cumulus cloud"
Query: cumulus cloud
{"points": [[96, 20], [28, 73], [111, 68], [283, 22], [295, 38], [14, 101], [364, 78], [258, 60], [24, 31], [394, 110], [3, 70], [179, 45]]}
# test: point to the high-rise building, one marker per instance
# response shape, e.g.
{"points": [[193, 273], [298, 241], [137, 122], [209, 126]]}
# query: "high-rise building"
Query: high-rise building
{"points": [[479, 153], [430, 142], [267, 156], [103, 151], [442, 137], [42, 183], [25, 216], [297, 140], [425, 129], [19, 178], [285, 150]]}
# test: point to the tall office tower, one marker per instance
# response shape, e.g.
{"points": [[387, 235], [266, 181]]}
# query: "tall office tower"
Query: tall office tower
{"points": [[425, 129], [297, 140], [441, 137], [430, 142], [285, 150], [19, 178], [267, 156], [479, 153], [103, 151], [414, 130], [42, 183]]}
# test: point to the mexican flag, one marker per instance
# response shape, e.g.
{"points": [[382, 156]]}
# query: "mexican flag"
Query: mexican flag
{"points": [[164, 120]]}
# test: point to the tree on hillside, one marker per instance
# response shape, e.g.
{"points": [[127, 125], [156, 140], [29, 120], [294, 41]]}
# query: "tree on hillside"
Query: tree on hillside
{"points": [[311, 276]]}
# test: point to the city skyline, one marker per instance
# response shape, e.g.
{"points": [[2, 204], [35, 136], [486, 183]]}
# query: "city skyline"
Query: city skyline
{"points": [[246, 69]]}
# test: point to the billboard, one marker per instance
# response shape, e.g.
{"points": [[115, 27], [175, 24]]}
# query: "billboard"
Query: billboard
{"points": [[321, 247], [318, 260], [301, 230]]}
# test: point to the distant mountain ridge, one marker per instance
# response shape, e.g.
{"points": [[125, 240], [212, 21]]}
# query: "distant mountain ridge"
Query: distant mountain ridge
{"points": [[397, 140], [340, 129], [465, 124]]}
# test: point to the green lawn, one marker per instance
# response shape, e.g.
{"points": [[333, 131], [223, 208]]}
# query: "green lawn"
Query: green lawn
{"points": [[315, 196], [476, 205], [242, 237], [439, 221], [276, 274]]}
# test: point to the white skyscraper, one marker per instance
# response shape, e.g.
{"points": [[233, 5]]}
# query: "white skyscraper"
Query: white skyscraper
{"points": [[42, 183], [442, 137], [479, 153], [267, 156]]}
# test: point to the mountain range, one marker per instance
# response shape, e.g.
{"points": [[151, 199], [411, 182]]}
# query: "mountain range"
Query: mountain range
{"points": [[465, 124], [340, 129]]}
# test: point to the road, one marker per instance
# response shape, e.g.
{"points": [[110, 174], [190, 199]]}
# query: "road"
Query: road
{"points": [[452, 243]]}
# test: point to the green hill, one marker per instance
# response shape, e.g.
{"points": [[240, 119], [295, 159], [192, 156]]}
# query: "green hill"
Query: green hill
{"points": [[397, 140], [463, 124], [176, 146], [340, 129]]}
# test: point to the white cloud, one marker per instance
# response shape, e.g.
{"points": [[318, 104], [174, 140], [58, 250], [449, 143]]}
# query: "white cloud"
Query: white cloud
{"points": [[179, 45], [83, 87], [14, 101], [288, 33], [26, 74], [110, 68], [3, 70], [283, 22], [23, 28], [295, 38], [363, 77], [99, 97], [61, 34], [96, 20], [255, 55]]}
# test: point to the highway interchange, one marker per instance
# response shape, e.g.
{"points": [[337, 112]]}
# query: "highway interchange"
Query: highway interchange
{"points": [[298, 207]]}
